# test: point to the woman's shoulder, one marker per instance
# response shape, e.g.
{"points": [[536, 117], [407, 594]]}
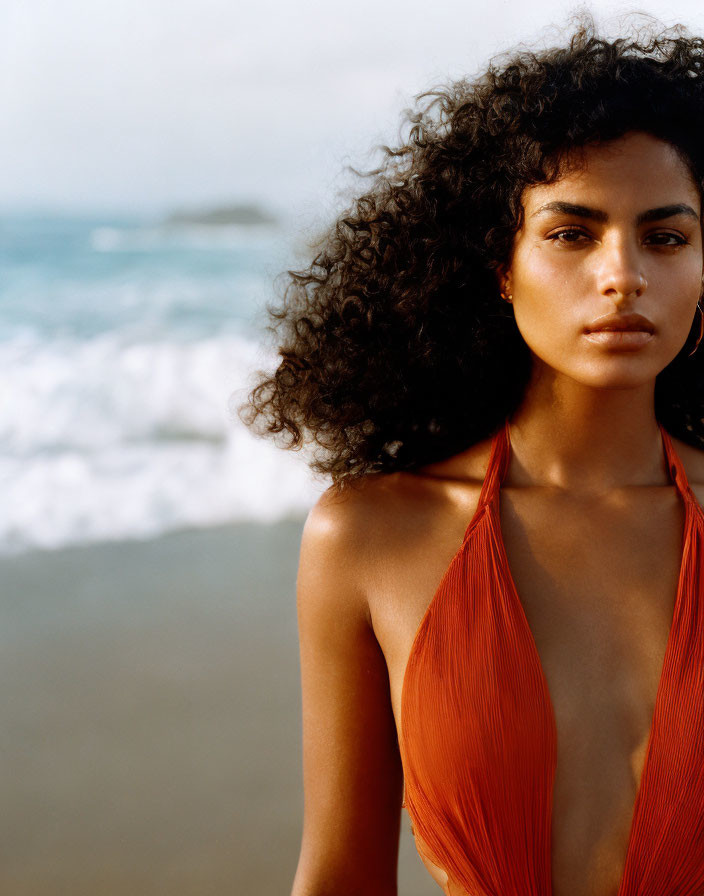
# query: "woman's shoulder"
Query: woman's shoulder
{"points": [[372, 517], [361, 540]]}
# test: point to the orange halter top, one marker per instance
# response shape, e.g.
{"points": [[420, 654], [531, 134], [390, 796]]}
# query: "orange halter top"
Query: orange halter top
{"points": [[478, 738]]}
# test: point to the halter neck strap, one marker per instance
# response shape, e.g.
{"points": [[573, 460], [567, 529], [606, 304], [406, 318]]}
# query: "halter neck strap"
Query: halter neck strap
{"points": [[675, 467]]}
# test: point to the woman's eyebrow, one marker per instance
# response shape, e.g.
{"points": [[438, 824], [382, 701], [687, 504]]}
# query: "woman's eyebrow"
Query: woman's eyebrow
{"points": [[596, 214]]}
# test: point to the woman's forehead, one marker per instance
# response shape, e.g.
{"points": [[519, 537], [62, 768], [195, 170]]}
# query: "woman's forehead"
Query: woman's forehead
{"points": [[635, 169]]}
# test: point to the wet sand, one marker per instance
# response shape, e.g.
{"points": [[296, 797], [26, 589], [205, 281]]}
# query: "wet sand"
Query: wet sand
{"points": [[150, 711]]}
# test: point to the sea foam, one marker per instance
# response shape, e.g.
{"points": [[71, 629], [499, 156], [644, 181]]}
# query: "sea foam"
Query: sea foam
{"points": [[103, 440]]}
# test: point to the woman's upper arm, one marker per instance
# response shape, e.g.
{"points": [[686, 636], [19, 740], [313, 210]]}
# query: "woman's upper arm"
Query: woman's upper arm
{"points": [[352, 773]]}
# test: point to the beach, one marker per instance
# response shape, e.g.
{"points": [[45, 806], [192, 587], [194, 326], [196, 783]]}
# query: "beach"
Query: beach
{"points": [[151, 737]]}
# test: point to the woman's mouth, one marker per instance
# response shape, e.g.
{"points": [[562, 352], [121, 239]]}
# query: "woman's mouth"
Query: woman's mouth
{"points": [[628, 340]]}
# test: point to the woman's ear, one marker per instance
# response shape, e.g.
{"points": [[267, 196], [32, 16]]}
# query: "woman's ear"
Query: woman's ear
{"points": [[503, 280]]}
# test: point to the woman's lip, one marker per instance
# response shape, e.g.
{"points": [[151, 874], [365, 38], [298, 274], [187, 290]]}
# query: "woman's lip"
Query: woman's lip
{"points": [[624, 339]]}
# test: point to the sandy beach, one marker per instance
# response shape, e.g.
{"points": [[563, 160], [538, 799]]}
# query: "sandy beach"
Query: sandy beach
{"points": [[151, 718]]}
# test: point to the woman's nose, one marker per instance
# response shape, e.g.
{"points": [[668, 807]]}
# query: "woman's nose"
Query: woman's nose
{"points": [[620, 272]]}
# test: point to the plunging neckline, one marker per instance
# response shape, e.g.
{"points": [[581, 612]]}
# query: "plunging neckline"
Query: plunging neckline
{"points": [[678, 477]]}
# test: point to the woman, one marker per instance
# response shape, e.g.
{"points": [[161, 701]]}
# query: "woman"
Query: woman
{"points": [[500, 598]]}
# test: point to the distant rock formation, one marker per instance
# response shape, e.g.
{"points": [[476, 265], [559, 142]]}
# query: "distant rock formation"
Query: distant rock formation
{"points": [[224, 216]]}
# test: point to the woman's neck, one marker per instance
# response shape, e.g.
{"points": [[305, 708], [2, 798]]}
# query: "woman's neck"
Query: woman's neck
{"points": [[567, 435]]}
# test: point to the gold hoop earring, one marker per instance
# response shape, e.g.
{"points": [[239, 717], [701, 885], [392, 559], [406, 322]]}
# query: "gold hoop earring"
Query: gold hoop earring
{"points": [[701, 329]]}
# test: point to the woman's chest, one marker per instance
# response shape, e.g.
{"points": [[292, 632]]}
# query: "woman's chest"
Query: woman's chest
{"points": [[596, 585]]}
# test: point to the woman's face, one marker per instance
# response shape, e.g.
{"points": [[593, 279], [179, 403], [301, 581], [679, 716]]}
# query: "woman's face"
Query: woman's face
{"points": [[618, 234]]}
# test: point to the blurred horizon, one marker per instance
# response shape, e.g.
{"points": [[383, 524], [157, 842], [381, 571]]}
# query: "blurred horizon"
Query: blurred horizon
{"points": [[157, 213]]}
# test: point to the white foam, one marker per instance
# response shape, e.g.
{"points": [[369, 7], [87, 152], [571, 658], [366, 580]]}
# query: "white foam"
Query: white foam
{"points": [[106, 439]]}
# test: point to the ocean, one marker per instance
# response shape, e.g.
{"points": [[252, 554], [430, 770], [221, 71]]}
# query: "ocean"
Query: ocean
{"points": [[124, 342]]}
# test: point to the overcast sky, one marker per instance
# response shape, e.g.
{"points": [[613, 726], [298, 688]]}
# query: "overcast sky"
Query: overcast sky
{"points": [[149, 104]]}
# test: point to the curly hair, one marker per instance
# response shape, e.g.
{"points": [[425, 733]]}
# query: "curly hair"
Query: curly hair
{"points": [[395, 347]]}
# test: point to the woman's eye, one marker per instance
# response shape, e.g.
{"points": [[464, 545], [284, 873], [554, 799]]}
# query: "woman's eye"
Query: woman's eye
{"points": [[569, 235], [678, 240]]}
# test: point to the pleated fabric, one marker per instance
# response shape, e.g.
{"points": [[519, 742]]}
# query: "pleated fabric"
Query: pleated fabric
{"points": [[478, 738]]}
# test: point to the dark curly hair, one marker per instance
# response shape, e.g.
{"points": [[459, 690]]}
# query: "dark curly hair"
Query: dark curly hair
{"points": [[396, 349]]}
